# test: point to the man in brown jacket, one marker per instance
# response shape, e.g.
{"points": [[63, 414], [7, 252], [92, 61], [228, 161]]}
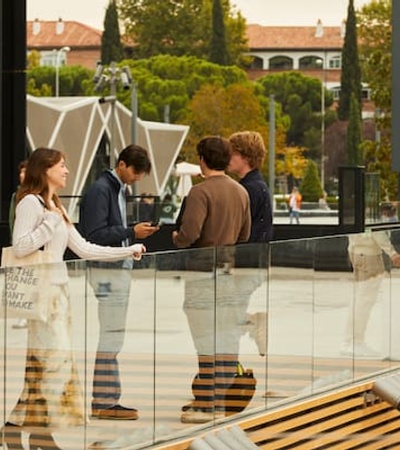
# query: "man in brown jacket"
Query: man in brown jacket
{"points": [[216, 216]]}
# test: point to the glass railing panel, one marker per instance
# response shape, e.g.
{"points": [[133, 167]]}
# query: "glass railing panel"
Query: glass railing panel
{"points": [[333, 289], [120, 353], [281, 311], [44, 361], [290, 319], [242, 312], [368, 325], [184, 341]]}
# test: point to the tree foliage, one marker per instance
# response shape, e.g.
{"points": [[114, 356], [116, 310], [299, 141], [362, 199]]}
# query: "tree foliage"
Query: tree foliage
{"points": [[350, 82], [218, 110], [170, 80], [73, 80], [218, 48], [310, 187], [353, 136], [291, 162], [180, 27], [111, 45], [375, 34], [300, 97], [33, 59]]}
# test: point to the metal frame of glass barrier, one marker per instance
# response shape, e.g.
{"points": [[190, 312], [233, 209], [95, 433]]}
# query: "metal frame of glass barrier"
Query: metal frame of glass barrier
{"points": [[283, 319]]}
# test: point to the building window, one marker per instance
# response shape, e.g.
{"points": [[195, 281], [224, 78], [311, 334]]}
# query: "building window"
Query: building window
{"points": [[310, 62], [257, 63], [281, 63], [336, 92], [365, 93], [48, 58], [335, 62]]}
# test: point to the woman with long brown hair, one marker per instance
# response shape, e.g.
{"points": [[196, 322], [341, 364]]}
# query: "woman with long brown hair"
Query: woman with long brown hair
{"points": [[52, 397]]}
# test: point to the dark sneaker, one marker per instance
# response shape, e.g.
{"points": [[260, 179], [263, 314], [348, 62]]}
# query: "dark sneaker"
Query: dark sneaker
{"points": [[116, 412]]}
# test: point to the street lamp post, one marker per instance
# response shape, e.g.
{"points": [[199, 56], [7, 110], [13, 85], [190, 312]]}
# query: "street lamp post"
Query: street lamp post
{"points": [[321, 62], [58, 57], [112, 76]]}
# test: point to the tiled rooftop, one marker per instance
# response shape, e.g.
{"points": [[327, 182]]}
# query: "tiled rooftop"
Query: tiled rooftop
{"points": [[56, 34], [268, 37]]}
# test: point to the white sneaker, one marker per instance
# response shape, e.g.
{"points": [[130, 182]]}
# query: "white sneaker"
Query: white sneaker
{"points": [[22, 323], [256, 325], [198, 416]]}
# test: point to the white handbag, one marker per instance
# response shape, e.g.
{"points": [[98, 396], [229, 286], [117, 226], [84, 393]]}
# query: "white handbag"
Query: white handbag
{"points": [[26, 287]]}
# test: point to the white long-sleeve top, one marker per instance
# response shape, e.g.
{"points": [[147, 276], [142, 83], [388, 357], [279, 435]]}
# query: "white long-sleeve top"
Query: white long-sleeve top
{"points": [[36, 227], [371, 243]]}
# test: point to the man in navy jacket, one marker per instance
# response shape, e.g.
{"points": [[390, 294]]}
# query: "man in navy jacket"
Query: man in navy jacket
{"points": [[103, 221]]}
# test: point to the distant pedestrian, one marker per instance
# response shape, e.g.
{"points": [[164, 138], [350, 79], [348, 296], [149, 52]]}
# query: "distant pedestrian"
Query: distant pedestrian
{"points": [[295, 205]]}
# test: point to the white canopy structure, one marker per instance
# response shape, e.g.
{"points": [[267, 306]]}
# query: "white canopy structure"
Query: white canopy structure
{"points": [[76, 125], [185, 171]]}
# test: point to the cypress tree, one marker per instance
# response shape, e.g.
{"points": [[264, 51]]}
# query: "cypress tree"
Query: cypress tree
{"points": [[111, 46], [353, 136], [351, 73], [310, 188], [218, 46]]}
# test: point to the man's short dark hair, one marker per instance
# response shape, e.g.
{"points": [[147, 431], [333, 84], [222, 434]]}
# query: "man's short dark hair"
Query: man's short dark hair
{"points": [[137, 157], [215, 151]]}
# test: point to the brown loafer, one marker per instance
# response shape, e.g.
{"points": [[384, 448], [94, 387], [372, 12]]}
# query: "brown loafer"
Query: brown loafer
{"points": [[116, 412]]}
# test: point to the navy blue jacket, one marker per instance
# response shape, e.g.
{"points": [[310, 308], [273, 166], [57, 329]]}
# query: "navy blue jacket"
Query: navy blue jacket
{"points": [[260, 206], [100, 218]]}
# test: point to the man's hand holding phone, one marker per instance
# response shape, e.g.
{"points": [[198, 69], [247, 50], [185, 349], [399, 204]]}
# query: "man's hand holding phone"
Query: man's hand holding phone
{"points": [[145, 229]]}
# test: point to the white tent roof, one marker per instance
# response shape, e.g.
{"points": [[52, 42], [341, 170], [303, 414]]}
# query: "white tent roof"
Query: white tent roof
{"points": [[185, 168], [76, 126], [185, 171]]}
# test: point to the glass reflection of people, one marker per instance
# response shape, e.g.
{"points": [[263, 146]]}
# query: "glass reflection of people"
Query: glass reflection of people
{"points": [[103, 221], [216, 213], [21, 323], [146, 208], [248, 153], [52, 397], [366, 256], [168, 209]]}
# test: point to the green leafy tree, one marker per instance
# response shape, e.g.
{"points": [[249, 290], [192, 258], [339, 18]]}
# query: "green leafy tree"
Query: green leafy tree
{"points": [[171, 80], [219, 110], [350, 82], [111, 45], [180, 27], [218, 48], [300, 97], [310, 187], [375, 32], [33, 59], [353, 135], [73, 80]]}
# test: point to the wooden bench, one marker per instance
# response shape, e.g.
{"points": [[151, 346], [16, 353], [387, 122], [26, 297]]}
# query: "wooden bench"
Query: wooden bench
{"points": [[346, 418]]}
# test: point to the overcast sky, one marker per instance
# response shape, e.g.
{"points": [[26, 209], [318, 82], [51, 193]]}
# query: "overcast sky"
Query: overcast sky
{"points": [[264, 12]]}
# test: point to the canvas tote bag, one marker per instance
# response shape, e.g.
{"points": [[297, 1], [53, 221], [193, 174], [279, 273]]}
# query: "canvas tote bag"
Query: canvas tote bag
{"points": [[26, 288]]}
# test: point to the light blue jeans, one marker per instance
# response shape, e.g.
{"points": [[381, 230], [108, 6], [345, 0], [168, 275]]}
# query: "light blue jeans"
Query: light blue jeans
{"points": [[112, 288]]}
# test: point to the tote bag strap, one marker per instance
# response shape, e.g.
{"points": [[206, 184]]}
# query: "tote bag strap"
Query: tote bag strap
{"points": [[41, 201]]}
